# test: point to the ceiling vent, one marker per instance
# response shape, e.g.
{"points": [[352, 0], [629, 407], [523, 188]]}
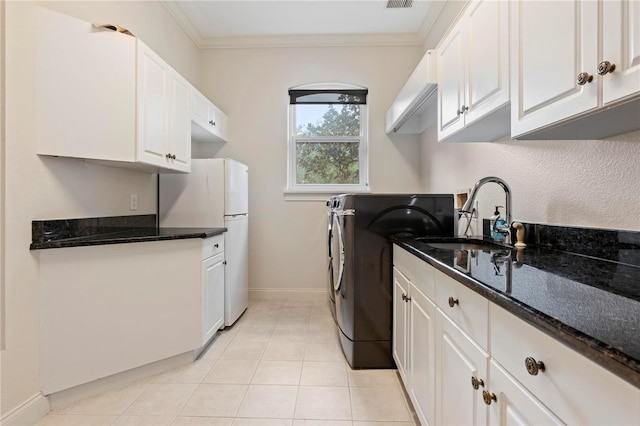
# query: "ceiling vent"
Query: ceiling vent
{"points": [[399, 4]]}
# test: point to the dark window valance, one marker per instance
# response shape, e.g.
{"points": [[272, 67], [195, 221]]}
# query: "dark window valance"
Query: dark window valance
{"points": [[328, 96]]}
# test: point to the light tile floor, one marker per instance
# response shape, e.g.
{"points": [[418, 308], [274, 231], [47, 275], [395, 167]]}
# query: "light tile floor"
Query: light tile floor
{"points": [[280, 364]]}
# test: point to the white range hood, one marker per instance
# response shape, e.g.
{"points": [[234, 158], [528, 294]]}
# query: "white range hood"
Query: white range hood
{"points": [[415, 107]]}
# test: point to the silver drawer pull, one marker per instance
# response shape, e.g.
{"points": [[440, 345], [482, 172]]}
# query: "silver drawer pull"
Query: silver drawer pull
{"points": [[606, 67], [584, 78]]}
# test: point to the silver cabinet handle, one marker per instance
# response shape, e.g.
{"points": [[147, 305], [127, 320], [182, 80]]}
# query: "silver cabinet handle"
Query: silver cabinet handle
{"points": [[584, 78], [605, 67], [462, 110]]}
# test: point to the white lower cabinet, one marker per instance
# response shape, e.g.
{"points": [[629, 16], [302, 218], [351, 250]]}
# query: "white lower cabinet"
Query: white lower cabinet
{"points": [[414, 332], [464, 360], [110, 308], [212, 287], [400, 322], [576, 389], [513, 404], [459, 360], [422, 324]]}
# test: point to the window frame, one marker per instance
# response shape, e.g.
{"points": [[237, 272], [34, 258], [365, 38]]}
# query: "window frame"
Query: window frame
{"points": [[294, 188]]}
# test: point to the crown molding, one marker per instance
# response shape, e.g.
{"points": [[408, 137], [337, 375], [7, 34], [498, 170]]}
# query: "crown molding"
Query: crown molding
{"points": [[429, 20], [181, 18], [320, 40]]}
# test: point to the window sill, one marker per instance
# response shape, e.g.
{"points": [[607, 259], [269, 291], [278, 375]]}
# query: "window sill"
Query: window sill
{"points": [[320, 195]]}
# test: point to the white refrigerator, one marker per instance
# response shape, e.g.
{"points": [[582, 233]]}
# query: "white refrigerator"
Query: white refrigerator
{"points": [[214, 194]]}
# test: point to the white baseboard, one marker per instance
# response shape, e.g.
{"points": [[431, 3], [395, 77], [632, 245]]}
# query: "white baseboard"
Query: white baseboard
{"points": [[28, 413], [295, 294], [76, 393]]}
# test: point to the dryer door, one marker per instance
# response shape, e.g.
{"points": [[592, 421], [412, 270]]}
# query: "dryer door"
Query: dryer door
{"points": [[336, 251]]}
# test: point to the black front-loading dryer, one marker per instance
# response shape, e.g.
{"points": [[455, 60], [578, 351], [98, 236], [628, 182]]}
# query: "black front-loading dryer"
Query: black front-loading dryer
{"points": [[360, 270]]}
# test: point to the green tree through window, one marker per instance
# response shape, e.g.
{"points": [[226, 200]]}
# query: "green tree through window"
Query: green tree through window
{"points": [[329, 162]]}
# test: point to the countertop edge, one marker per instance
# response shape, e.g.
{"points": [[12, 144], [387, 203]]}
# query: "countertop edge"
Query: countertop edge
{"points": [[179, 235], [612, 359]]}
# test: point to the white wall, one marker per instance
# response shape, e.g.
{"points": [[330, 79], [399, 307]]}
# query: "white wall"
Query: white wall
{"points": [[287, 238], [592, 183], [50, 188]]}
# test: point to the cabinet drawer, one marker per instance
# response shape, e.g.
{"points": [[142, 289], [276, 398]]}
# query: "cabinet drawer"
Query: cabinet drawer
{"points": [[466, 308], [212, 246], [576, 389], [419, 272]]}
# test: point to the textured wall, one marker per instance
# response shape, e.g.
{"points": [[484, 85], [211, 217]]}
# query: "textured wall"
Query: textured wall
{"points": [[586, 183]]}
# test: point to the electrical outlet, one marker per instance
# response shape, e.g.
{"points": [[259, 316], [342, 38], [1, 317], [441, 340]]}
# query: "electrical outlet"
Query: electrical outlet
{"points": [[133, 202]]}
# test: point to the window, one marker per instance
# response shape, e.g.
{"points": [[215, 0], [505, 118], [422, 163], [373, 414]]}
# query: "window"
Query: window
{"points": [[327, 139]]}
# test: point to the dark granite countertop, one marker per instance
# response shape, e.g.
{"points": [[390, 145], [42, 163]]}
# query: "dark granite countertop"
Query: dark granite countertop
{"points": [[590, 304], [47, 234]]}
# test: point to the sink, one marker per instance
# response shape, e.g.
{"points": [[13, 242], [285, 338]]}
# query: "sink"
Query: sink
{"points": [[461, 244]]}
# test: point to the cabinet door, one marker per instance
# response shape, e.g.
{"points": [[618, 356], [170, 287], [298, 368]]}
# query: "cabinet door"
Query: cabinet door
{"points": [[458, 359], [552, 43], [213, 296], [514, 405], [86, 89], [179, 122], [200, 109], [487, 58], [451, 83], [400, 324], [621, 47], [218, 122], [153, 98], [422, 368]]}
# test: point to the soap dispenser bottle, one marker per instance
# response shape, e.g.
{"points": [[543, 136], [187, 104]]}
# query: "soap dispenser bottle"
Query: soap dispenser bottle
{"points": [[496, 220]]}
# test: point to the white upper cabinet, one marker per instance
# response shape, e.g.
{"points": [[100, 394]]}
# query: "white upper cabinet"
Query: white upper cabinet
{"points": [[209, 123], [179, 122], [621, 49], [557, 90], [473, 75], [106, 97], [163, 114], [414, 109], [451, 83]]}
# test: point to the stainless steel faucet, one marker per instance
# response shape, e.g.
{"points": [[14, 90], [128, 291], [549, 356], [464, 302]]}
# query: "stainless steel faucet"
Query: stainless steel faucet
{"points": [[468, 206]]}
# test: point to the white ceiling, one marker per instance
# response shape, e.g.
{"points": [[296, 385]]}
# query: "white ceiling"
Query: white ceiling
{"points": [[234, 23]]}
